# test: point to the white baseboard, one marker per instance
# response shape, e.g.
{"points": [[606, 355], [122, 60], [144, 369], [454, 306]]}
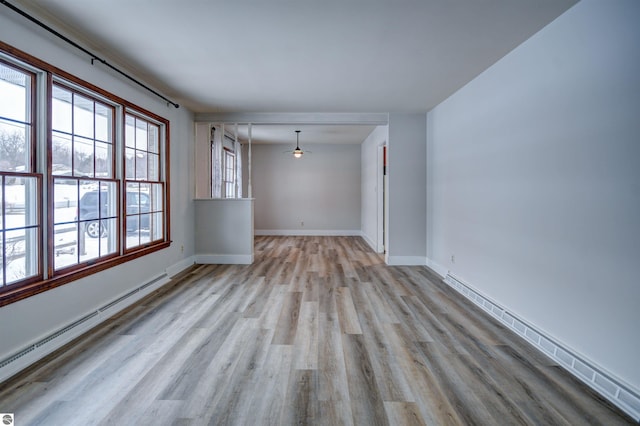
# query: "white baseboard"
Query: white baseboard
{"points": [[38, 350], [406, 261], [310, 232], [596, 377], [369, 241], [57, 339], [176, 268], [437, 268], [224, 259]]}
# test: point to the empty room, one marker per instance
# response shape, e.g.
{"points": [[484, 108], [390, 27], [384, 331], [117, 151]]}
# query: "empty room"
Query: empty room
{"points": [[332, 213]]}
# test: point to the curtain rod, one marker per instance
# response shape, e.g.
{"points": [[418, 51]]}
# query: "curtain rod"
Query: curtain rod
{"points": [[94, 57]]}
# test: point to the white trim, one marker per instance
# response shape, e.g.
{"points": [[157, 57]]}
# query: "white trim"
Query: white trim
{"points": [[606, 384], [57, 339], [369, 241], [74, 329], [290, 118], [224, 259], [406, 261], [381, 196], [180, 266], [309, 232], [437, 268]]}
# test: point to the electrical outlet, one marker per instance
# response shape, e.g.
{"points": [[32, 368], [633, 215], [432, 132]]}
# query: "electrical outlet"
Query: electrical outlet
{"points": [[453, 258], [301, 223], [181, 249]]}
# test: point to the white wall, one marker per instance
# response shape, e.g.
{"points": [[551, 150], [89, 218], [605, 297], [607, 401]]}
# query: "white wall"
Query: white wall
{"points": [[225, 230], [534, 183], [407, 177], [369, 217], [321, 189], [28, 320]]}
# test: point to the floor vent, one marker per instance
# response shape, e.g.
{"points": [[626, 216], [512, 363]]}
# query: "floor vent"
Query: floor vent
{"points": [[27, 356], [612, 389]]}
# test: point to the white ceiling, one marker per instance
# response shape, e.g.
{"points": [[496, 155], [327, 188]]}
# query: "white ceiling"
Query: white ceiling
{"points": [[328, 56]]}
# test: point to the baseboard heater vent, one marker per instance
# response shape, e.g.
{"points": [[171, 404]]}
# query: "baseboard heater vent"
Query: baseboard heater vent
{"points": [[34, 352], [611, 388]]}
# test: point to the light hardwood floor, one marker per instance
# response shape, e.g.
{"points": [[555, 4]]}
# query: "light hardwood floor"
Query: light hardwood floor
{"points": [[317, 331]]}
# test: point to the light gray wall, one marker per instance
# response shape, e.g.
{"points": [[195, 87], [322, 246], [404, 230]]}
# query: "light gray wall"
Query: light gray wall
{"points": [[321, 189], [406, 160], [224, 230], [28, 320], [534, 183], [370, 185]]}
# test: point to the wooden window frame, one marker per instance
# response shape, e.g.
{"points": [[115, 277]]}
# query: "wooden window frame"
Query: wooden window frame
{"points": [[49, 279]]}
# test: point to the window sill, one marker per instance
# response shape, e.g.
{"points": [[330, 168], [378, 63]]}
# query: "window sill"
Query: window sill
{"points": [[11, 295]]}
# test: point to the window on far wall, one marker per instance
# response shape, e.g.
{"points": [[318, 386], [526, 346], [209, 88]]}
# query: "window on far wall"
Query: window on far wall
{"points": [[89, 164], [226, 164], [229, 177]]}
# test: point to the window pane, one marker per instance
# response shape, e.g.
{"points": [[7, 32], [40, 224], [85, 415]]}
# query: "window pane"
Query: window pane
{"points": [[109, 199], [61, 154], [98, 238], [103, 160], [130, 131], [133, 237], [133, 198], [141, 135], [86, 224], [83, 116], [130, 163], [20, 231], [156, 195], [14, 146], [157, 226], [154, 143], [22, 201], [153, 171], [65, 242], [65, 201], [15, 119], [21, 254], [141, 165], [103, 123], [61, 110], [14, 94], [82, 157], [145, 220]]}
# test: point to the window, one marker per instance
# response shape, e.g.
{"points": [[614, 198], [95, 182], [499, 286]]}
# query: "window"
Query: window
{"points": [[229, 177], [20, 220], [85, 193], [144, 197], [226, 164], [83, 182]]}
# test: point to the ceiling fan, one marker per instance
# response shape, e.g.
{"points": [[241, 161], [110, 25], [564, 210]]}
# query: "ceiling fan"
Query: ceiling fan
{"points": [[297, 153]]}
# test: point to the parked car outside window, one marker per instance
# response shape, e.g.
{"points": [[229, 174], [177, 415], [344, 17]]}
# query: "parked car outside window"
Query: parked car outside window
{"points": [[94, 205]]}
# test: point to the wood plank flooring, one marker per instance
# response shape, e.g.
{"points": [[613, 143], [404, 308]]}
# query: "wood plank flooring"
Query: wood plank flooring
{"points": [[317, 331]]}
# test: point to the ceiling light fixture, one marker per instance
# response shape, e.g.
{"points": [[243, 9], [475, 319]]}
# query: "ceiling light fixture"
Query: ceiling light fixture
{"points": [[297, 153]]}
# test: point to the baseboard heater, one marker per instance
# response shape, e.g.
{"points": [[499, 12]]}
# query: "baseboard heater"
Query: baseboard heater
{"points": [[606, 385], [38, 350]]}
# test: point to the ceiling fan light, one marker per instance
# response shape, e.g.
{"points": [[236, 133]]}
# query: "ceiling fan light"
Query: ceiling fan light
{"points": [[297, 153]]}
